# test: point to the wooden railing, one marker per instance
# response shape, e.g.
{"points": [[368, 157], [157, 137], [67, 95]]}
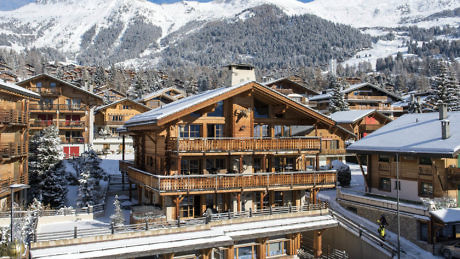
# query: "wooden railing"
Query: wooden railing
{"points": [[46, 90], [8, 150], [453, 174], [124, 164], [244, 144], [57, 107], [370, 127], [76, 124], [74, 140], [42, 123], [13, 116], [112, 122], [379, 108], [339, 151], [6, 183], [226, 182], [363, 97]]}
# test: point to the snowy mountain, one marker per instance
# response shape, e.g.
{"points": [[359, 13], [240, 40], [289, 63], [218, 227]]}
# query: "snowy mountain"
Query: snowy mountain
{"points": [[130, 29]]}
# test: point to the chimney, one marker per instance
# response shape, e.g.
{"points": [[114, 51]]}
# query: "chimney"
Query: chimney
{"points": [[445, 128], [241, 73], [442, 111]]}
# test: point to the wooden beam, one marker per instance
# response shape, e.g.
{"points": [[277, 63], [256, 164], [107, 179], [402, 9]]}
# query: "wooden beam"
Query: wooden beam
{"points": [[317, 243], [177, 201], [238, 202], [362, 172]]}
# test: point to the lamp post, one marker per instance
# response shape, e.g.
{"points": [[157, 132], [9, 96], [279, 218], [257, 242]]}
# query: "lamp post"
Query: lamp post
{"points": [[13, 187]]}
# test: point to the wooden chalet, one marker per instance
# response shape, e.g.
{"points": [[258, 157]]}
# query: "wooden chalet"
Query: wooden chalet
{"points": [[8, 76], [162, 97], [66, 106], [231, 149], [425, 150], [292, 89], [14, 138], [110, 95], [110, 117], [363, 96], [361, 122]]}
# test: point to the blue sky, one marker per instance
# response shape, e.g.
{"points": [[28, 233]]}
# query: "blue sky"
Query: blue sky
{"points": [[13, 4]]}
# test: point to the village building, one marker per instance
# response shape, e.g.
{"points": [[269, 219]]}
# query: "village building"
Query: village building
{"points": [[231, 149], [109, 95], [360, 122], [110, 117], [8, 76], [68, 107], [423, 150], [14, 139], [162, 97], [292, 89], [363, 96]]}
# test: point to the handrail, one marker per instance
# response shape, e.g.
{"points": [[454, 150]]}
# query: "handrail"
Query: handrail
{"points": [[13, 116], [13, 149], [6, 183], [60, 107]]}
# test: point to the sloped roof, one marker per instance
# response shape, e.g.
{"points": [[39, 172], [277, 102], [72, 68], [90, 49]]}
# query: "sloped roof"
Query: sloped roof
{"points": [[161, 92], [119, 101], [287, 79], [353, 116], [60, 81], [353, 88], [195, 102], [418, 133], [17, 89], [450, 215]]}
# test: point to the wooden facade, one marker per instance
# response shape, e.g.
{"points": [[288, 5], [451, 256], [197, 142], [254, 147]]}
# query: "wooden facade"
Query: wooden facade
{"points": [[14, 117], [237, 151], [65, 106], [162, 97], [292, 89], [365, 124]]}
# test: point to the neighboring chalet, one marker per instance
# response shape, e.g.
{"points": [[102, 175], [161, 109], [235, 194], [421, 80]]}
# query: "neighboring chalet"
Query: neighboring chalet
{"points": [[14, 139], [8, 76], [66, 106], [360, 122], [162, 97], [292, 89], [363, 96], [231, 149], [110, 117], [109, 95], [424, 149]]}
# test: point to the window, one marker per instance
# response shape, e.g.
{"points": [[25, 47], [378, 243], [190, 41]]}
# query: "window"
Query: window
{"points": [[219, 111], [383, 158], [117, 117], [282, 131], [215, 130], [423, 226], [424, 161], [214, 165], [190, 167], [276, 248], [39, 84], [190, 131], [426, 189], [333, 144], [126, 107], [187, 208], [385, 184], [260, 109], [261, 131], [52, 84]]}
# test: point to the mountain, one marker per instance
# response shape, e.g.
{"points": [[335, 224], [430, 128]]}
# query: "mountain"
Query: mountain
{"points": [[138, 32]]}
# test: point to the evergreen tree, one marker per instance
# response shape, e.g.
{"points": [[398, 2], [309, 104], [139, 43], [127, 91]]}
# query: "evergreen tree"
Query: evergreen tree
{"points": [[86, 192], [138, 88], [445, 89], [90, 174], [46, 176], [337, 101], [117, 218], [89, 160]]}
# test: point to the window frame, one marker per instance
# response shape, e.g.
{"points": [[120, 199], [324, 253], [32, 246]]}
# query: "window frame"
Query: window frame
{"points": [[386, 187]]}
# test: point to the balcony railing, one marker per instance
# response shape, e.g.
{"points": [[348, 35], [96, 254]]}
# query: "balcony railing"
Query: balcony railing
{"points": [[112, 122], [244, 144], [228, 182], [71, 124], [379, 108], [13, 116], [453, 174], [57, 107], [44, 91], [371, 98], [6, 183], [9, 150], [124, 164], [370, 127], [42, 123], [72, 140]]}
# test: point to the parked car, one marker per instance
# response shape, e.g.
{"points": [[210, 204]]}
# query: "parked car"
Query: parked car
{"points": [[451, 251]]}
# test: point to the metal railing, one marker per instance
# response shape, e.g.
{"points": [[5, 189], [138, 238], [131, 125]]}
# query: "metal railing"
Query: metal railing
{"points": [[225, 182], [13, 116], [96, 209], [219, 217], [244, 144]]}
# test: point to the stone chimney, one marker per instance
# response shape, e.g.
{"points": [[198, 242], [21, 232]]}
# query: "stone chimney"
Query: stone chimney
{"points": [[241, 73], [442, 111], [445, 129]]}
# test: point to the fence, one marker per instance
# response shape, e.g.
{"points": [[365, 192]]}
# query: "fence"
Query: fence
{"points": [[76, 233]]}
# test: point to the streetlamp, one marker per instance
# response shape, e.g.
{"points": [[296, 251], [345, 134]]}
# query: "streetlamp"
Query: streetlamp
{"points": [[15, 187]]}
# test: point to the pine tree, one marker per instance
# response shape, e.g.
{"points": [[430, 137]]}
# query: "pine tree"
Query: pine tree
{"points": [[117, 218], [86, 191], [47, 178], [445, 89], [90, 174], [138, 88], [337, 101], [89, 160]]}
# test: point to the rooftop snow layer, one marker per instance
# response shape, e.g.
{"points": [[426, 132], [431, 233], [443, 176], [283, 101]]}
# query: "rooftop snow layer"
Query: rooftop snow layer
{"points": [[350, 116], [353, 88], [17, 89], [413, 133], [451, 215]]}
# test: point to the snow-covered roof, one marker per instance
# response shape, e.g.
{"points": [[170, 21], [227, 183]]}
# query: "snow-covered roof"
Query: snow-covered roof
{"points": [[119, 101], [287, 79], [161, 92], [451, 215], [353, 88], [418, 133], [353, 115], [60, 81], [17, 89]]}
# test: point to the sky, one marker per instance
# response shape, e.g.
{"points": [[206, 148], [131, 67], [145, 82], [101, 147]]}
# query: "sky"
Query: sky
{"points": [[6, 5]]}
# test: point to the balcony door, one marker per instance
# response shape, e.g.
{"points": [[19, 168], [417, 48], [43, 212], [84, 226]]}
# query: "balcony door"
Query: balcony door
{"points": [[215, 130]]}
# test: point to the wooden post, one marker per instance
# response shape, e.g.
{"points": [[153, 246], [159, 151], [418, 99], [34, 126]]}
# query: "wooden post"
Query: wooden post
{"points": [[238, 202], [317, 243], [179, 163], [271, 198], [313, 196], [297, 199], [139, 195], [202, 204], [264, 163], [168, 256], [241, 164], [261, 248], [230, 252], [206, 253], [177, 201], [262, 196], [362, 172], [317, 162]]}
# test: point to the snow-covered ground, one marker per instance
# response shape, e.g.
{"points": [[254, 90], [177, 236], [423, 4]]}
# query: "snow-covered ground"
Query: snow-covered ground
{"points": [[408, 249]]}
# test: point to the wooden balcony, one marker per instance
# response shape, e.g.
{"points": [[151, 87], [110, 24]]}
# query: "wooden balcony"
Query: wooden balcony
{"points": [[453, 174], [370, 98], [378, 108], [71, 124], [48, 107], [42, 123], [124, 164], [13, 117], [339, 151], [112, 122], [369, 127], [11, 150], [46, 91], [74, 140], [221, 183], [5, 184], [244, 144]]}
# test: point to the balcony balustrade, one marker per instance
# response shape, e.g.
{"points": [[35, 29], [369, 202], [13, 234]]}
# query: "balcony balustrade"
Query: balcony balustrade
{"points": [[10, 150], [71, 124], [233, 182], [379, 108], [370, 127], [6, 183], [244, 144], [57, 107], [72, 140], [13, 116], [46, 91], [370, 98]]}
